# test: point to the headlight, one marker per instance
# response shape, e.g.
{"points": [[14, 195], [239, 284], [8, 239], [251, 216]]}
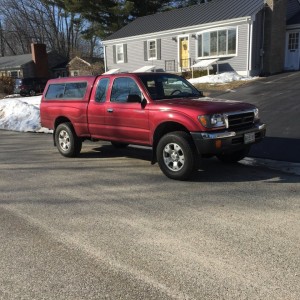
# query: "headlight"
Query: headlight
{"points": [[256, 114], [214, 121]]}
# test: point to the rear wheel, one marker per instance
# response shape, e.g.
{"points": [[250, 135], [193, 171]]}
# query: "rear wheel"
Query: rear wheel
{"points": [[234, 156], [176, 155], [67, 142]]}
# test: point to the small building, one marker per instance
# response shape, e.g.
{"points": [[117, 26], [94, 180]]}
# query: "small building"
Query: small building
{"points": [[248, 37], [38, 63], [85, 66]]}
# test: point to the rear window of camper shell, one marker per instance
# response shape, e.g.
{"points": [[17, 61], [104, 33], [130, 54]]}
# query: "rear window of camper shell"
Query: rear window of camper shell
{"points": [[66, 91]]}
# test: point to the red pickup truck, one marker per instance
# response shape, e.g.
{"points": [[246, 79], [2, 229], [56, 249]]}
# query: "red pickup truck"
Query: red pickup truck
{"points": [[160, 110]]}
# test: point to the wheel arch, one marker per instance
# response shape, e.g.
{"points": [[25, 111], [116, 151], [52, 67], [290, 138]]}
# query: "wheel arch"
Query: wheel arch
{"points": [[59, 121], [161, 130]]}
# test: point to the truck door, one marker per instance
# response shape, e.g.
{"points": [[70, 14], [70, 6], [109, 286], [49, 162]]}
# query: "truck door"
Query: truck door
{"points": [[96, 108], [125, 121]]}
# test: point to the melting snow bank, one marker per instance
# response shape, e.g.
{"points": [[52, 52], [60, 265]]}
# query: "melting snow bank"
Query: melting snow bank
{"points": [[21, 114], [221, 78], [287, 167]]}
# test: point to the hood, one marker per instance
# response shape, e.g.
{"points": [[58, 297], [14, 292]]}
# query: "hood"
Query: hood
{"points": [[205, 105]]}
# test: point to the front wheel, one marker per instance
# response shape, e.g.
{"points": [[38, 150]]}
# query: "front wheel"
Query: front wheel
{"points": [[234, 156], [67, 142], [176, 155]]}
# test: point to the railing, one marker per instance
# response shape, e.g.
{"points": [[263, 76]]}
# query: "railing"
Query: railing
{"points": [[170, 65]]}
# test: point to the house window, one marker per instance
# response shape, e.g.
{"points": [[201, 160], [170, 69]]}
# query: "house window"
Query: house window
{"points": [[293, 41], [217, 43], [120, 53], [152, 50]]}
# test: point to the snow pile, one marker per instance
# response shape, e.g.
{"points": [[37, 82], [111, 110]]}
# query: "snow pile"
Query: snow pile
{"points": [[21, 114], [220, 78]]}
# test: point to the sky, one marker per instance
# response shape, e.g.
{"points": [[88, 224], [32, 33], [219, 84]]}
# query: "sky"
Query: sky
{"points": [[23, 113]]}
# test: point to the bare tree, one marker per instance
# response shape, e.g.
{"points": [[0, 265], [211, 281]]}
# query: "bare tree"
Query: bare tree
{"points": [[27, 21]]}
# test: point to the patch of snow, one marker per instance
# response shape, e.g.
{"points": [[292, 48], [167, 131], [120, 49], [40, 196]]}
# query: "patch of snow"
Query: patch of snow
{"points": [[221, 78]]}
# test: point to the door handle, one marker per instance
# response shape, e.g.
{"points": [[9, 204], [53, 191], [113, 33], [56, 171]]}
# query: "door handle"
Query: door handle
{"points": [[110, 110]]}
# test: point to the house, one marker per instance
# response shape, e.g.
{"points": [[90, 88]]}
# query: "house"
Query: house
{"points": [[292, 54], [85, 66], [38, 63], [248, 37]]}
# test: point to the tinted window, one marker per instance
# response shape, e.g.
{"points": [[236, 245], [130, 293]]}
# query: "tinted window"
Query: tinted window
{"points": [[55, 91], [72, 90], [75, 90], [102, 90], [168, 86], [123, 87]]}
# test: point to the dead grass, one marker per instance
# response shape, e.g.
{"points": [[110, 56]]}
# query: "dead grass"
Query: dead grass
{"points": [[222, 87]]}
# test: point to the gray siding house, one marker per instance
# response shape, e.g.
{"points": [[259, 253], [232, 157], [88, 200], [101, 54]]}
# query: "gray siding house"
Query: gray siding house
{"points": [[248, 37]]}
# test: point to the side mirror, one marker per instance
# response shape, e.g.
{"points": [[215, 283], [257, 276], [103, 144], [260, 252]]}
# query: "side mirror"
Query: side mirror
{"points": [[133, 98]]}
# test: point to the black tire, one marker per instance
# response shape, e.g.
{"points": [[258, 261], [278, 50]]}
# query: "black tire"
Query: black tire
{"points": [[176, 156], [67, 142], [234, 156], [119, 145]]}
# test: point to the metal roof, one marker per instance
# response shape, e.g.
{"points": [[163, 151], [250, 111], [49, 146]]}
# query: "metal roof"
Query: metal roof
{"points": [[214, 11], [15, 61]]}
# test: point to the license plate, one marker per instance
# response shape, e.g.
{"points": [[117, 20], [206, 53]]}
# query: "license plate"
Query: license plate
{"points": [[249, 138]]}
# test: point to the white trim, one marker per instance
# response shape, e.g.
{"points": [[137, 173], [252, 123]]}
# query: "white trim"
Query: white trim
{"points": [[117, 60], [104, 57], [178, 49], [250, 52], [215, 30], [178, 31], [148, 49]]}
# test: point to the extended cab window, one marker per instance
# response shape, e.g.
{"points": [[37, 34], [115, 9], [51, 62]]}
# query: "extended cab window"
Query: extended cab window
{"points": [[72, 90], [122, 88], [102, 90]]}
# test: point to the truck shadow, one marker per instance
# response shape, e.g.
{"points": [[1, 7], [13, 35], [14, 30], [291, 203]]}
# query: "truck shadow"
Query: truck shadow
{"points": [[210, 170], [277, 148]]}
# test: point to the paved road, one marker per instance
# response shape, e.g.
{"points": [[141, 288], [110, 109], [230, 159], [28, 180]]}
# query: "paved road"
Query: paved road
{"points": [[108, 225], [278, 98]]}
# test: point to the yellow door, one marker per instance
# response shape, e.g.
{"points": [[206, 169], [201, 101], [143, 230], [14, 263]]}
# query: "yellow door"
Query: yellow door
{"points": [[184, 52]]}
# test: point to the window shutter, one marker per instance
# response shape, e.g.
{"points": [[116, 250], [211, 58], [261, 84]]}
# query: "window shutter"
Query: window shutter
{"points": [[158, 43], [125, 53], [114, 54], [145, 51]]}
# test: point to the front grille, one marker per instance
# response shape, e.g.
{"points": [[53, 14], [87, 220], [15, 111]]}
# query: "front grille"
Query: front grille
{"points": [[241, 121]]}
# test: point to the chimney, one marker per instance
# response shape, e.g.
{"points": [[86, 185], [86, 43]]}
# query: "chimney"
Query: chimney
{"points": [[274, 36], [40, 59]]}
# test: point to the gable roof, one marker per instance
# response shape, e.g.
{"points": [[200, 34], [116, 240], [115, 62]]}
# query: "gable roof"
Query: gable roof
{"points": [[14, 61], [294, 20], [214, 11]]}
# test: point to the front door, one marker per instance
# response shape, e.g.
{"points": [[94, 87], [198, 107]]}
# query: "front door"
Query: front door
{"points": [[292, 52], [184, 52], [125, 121]]}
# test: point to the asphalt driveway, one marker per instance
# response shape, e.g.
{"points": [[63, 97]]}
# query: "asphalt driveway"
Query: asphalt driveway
{"points": [[278, 98]]}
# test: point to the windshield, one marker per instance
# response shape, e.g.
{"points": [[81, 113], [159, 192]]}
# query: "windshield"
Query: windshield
{"points": [[168, 86]]}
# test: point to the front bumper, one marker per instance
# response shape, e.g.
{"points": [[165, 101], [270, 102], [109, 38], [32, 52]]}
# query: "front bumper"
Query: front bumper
{"points": [[226, 141]]}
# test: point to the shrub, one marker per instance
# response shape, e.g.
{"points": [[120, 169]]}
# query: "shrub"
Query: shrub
{"points": [[6, 85]]}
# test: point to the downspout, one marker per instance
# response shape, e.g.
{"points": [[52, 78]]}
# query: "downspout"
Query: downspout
{"points": [[105, 62], [250, 46]]}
